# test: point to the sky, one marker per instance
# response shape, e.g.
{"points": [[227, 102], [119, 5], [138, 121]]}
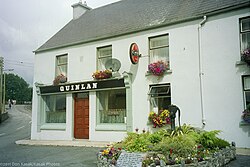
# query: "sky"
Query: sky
{"points": [[27, 24]]}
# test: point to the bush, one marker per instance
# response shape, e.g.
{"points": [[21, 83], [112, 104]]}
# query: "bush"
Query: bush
{"points": [[182, 146]]}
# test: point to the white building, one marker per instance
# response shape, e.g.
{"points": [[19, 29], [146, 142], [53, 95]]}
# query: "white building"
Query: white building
{"points": [[201, 40]]}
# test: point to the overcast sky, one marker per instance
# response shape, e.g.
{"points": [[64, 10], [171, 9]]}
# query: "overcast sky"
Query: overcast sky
{"points": [[27, 24]]}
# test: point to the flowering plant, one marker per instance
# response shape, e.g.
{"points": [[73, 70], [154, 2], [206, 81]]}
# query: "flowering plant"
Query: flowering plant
{"points": [[246, 116], [102, 74], [60, 79], [110, 154], [158, 68], [159, 119], [246, 55]]}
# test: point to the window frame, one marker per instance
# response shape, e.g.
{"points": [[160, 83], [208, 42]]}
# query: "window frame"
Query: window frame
{"points": [[245, 90], [43, 114], [110, 126], [57, 73], [99, 57], [243, 32], [151, 99], [158, 47]]}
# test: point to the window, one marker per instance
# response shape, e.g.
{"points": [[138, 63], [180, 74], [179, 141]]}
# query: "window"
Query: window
{"points": [[160, 97], [245, 33], [159, 49], [112, 106], [246, 89], [55, 108], [61, 65], [103, 55]]}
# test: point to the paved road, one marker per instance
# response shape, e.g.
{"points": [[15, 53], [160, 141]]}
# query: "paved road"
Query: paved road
{"points": [[18, 127]]}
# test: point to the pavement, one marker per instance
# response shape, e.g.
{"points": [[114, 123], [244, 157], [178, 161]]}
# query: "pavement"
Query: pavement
{"points": [[87, 143], [73, 143]]}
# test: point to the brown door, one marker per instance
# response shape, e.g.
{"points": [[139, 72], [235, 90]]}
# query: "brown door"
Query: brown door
{"points": [[81, 123]]}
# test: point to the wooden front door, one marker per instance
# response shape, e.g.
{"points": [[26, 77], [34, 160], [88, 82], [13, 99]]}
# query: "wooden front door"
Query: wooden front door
{"points": [[81, 121]]}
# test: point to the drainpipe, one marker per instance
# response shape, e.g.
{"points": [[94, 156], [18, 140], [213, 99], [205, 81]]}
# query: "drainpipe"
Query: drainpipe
{"points": [[203, 120]]}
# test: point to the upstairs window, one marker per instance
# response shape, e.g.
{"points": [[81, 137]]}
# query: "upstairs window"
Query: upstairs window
{"points": [[159, 49], [245, 33], [103, 55], [61, 65], [159, 97]]}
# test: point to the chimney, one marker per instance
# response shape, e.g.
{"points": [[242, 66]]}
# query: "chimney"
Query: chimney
{"points": [[79, 9]]}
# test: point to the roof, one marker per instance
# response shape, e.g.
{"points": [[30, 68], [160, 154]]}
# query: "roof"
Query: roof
{"points": [[130, 16]]}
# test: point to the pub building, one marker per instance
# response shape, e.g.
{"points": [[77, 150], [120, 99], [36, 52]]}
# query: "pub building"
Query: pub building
{"points": [[101, 75]]}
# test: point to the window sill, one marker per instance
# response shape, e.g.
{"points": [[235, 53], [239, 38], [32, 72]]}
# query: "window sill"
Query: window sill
{"points": [[53, 126], [150, 74], [242, 123], [111, 127]]}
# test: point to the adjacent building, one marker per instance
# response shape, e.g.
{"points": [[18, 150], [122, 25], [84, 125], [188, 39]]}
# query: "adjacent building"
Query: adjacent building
{"points": [[201, 42]]}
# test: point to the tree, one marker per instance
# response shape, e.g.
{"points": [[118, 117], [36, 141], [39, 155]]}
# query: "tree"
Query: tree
{"points": [[17, 88]]}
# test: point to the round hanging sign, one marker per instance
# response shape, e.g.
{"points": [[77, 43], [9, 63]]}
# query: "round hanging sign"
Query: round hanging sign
{"points": [[134, 53]]}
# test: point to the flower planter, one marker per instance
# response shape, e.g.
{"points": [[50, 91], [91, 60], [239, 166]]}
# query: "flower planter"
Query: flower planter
{"points": [[219, 158], [246, 56], [158, 68], [102, 74], [60, 79]]}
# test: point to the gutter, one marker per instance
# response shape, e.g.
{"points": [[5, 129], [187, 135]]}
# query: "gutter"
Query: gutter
{"points": [[201, 73]]}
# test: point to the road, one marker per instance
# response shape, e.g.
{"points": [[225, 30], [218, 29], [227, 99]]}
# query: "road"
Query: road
{"points": [[17, 127]]}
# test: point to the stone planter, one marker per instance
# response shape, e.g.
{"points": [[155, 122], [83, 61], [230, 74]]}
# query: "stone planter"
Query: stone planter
{"points": [[218, 159]]}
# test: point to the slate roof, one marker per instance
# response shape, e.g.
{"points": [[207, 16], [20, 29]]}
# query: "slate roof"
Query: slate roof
{"points": [[130, 16]]}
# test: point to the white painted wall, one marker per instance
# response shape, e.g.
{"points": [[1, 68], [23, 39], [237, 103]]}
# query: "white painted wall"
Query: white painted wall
{"points": [[222, 85]]}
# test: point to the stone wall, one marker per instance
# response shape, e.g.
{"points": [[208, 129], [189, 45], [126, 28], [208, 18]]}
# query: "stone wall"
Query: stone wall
{"points": [[218, 159]]}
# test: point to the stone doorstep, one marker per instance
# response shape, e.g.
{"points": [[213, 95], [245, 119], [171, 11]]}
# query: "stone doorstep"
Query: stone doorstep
{"points": [[73, 143]]}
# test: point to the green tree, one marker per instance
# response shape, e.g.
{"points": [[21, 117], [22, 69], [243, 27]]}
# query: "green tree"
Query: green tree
{"points": [[17, 88]]}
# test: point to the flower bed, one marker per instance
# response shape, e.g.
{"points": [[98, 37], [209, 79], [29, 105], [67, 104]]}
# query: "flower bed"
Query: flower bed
{"points": [[184, 146]]}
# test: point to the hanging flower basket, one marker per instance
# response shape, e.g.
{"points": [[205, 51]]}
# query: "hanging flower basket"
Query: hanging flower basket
{"points": [[159, 120], [158, 68], [102, 74], [246, 56], [60, 79]]}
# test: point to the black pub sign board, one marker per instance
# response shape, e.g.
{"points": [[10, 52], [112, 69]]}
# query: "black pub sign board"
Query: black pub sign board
{"points": [[83, 86]]}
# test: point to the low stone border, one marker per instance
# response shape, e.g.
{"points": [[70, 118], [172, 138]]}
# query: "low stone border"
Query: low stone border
{"points": [[218, 159]]}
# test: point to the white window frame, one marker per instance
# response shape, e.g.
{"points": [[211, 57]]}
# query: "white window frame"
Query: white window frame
{"points": [[99, 65], [58, 65], [151, 59], [50, 126], [109, 126], [152, 99]]}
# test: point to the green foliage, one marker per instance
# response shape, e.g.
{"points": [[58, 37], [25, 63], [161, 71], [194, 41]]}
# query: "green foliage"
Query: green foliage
{"points": [[137, 142], [182, 145], [17, 88], [220, 143], [155, 138], [209, 139]]}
